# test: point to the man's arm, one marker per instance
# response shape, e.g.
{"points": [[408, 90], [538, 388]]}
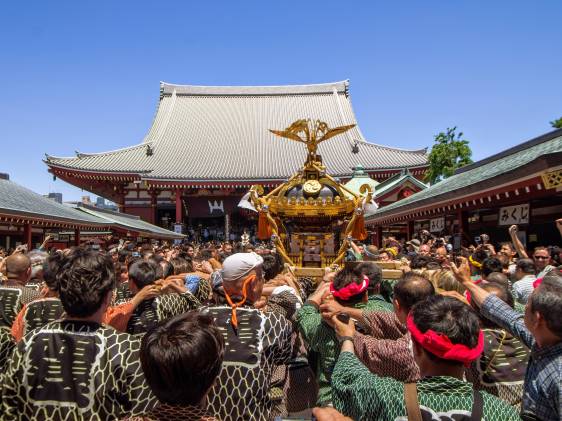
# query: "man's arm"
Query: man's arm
{"points": [[517, 243], [387, 358], [355, 390], [492, 307]]}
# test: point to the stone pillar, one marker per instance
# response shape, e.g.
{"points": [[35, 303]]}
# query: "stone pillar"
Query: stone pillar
{"points": [[226, 227], [27, 239]]}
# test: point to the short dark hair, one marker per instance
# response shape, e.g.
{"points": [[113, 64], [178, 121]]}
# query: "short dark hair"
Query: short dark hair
{"points": [[491, 264], [167, 269], [206, 254], [526, 266], [500, 290], [498, 278], [85, 277], [272, 266], [450, 317], [181, 357], [412, 289], [142, 273], [50, 269], [372, 271], [547, 300], [181, 265], [420, 261], [345, 277]]}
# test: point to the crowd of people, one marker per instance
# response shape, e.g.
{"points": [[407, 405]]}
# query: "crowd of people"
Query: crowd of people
{"points": [[207, 331]]}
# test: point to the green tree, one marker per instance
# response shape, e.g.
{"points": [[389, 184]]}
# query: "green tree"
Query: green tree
{"points": [[450, 152], [557, 124]]}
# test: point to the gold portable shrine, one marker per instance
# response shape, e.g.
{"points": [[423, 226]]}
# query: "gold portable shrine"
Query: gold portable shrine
{"points": [[311, 217]]}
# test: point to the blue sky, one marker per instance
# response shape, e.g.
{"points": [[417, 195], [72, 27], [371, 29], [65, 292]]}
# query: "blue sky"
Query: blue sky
{"points": [[84, 75]]}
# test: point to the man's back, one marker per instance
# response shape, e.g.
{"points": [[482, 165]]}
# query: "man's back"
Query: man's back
{"points": [[150, 312], [75, 370], [262, 342], [321, 338], [364, 396]]}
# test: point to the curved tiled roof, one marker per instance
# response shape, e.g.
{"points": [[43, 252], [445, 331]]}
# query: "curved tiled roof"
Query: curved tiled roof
{"points": [[221, 133], [19, 201]]}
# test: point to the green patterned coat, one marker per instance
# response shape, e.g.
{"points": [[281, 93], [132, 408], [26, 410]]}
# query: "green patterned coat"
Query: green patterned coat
{"points": [[362, 395]]}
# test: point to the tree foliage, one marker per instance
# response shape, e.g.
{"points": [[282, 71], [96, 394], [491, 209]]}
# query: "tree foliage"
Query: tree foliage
{"points": [[449, 152], [557, 124]]}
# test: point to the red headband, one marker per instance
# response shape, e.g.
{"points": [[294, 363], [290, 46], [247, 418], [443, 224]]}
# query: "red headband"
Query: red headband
{"points": [[349, 290], [441, 346]]}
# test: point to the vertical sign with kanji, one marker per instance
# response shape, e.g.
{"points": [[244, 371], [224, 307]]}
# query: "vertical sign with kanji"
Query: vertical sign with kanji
{"points": [[518, 214], [437, 225]]}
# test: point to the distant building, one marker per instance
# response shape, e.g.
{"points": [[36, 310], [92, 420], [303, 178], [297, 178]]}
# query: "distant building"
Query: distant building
{"points": [[56, 197], [105, 204]]}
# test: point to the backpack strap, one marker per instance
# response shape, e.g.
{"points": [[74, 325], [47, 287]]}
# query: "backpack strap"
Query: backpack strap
{"points": [[412, 403], [477, 406]]}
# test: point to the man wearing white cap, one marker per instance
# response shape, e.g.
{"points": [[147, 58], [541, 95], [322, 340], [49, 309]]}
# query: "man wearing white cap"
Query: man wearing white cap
{"points": [[255, 343]]}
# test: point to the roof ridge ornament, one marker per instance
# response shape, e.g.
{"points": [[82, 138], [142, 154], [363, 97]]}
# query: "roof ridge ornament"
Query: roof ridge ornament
{"points": [[311, 133]]}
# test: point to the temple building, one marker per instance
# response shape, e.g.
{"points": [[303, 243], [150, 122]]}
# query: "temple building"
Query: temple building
{"points": [[208, 144], [520, 186]]}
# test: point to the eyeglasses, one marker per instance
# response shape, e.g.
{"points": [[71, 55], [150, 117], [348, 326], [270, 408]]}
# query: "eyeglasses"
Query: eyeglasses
{"points": [[541, 257]]}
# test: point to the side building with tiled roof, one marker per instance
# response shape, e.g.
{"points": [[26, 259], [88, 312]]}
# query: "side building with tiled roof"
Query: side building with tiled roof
{"points": [[521, 185], [208, 144]]}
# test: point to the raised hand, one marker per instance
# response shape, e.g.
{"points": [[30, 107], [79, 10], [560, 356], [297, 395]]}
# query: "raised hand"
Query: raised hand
{"points": [[462, 272]]}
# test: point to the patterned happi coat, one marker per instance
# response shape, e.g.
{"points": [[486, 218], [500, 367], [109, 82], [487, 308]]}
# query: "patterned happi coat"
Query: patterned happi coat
{"points": [[320, 338], [70, 370], [10, 305], [40, 312], [501, 368], [262, 342], [151, 312], [362, 395], [165, 412]]}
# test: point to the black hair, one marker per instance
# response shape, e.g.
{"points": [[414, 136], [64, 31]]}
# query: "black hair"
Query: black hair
{"points": [[491, 264], [206, 254], [345, 277], [181, 357], [547, 300], [167, 269], [420, 261], [500, 290], [412, 289], [84, 278], [181, 265], [372, 271], [498, 278], [50, 269], [526, 266], [450, 317], [142, 273], [272, 266]]}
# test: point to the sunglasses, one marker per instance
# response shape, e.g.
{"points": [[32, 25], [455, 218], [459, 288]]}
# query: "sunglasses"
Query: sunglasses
{"points": [[541, 257]]}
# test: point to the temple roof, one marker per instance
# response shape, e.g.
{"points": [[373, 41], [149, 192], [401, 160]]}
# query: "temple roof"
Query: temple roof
{"points": [[397, 180], [19, 202], [221, 133]]}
